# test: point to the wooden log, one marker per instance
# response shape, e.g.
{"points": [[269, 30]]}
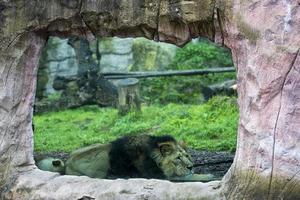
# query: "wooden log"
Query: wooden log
{"points": [[128, 95], [112, 75], [145, 74]]}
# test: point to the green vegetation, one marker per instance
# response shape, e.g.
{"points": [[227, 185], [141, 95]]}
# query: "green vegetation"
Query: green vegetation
{"points": [[210, 126], [197, 55], [201, 54], [173, 105]]}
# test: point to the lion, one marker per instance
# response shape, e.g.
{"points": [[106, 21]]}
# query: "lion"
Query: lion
{"points": [[136, 156]]}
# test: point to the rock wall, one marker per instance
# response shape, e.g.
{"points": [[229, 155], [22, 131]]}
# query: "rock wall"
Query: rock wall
{"points": [[264, 38], [60, 67], [116, 54], [58, 59], [149, 55]]}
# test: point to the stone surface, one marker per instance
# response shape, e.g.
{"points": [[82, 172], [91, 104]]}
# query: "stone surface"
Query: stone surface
{"points": [[149, 55], [47, 185], [134, 54], [18, 73], [266, 54], [59, 59], [264, 38], [69, 76], [179, 21], [116, 54], [65, 61]]}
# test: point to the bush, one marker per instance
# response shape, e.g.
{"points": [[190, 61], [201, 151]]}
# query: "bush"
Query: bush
{"points": [[197, 55]]}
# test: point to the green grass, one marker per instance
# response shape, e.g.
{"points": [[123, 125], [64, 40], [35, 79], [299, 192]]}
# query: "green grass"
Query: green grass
{"points": [[188, 90], [211, 126]]}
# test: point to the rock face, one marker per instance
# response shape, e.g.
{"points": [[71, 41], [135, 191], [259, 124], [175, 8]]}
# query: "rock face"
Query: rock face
{"points": [[149, 55], [65, 61], [266, 54], [116, 54], [60, 59], [264, 39], [134, 54], [75, 187], [69, 76]]}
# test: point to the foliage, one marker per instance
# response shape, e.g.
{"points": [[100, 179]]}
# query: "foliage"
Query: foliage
{"points": [[195, 55], [54, 96], [201, 54], [211, 126]]}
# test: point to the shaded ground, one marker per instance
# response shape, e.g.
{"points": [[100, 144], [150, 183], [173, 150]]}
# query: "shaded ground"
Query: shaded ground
{"points": [[216, 163]]}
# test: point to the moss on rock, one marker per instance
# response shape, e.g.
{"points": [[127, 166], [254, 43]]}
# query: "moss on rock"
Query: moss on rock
{"points": [[251, 33], [150, 55]]}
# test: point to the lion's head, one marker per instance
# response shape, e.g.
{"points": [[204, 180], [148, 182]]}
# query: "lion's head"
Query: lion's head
{"points": [[172, 158]]}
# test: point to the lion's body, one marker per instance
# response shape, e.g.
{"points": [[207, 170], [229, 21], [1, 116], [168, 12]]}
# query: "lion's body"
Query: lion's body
{"points": [[140, 156], [131, 157], [92, 161]]}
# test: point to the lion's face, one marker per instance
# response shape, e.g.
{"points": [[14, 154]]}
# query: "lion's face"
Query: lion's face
{"points": [[173, 160]]}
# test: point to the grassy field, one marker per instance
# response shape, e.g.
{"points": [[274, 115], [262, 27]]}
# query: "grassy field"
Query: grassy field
{"points": [[211, 126]]}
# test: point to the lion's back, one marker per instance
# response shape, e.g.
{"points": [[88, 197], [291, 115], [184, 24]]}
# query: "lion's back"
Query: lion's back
{"points": [[92, 161]]}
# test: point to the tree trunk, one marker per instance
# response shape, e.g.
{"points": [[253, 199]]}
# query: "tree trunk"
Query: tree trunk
{"points": [[111, 75], [129, 96]]}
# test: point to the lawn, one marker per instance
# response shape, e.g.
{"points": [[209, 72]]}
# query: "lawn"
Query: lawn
{"points": [[211, 126]]}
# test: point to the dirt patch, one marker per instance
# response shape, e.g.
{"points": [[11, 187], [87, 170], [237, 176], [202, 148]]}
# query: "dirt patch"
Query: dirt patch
{"points": [[216, 163]]}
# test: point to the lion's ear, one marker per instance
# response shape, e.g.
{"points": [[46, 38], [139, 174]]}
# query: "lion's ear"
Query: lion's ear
{"points": [[166, 148]]}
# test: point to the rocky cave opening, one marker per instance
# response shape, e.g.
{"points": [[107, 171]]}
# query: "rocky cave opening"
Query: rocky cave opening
{"points": [[265, 51]]}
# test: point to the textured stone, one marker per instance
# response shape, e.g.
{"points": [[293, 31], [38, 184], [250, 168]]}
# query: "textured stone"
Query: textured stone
{"points": [[150, 55], [61, 65], [182, 20], [116, 54], [52, 186], [264, 38], [60, 60]]}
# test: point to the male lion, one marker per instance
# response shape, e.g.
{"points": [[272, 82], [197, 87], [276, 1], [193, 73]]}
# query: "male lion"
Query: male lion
{"points": [[142, 156]]}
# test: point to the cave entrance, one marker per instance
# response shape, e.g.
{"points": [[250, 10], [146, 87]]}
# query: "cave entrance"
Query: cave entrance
{"points": [[266, 54], [77, 97]]}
